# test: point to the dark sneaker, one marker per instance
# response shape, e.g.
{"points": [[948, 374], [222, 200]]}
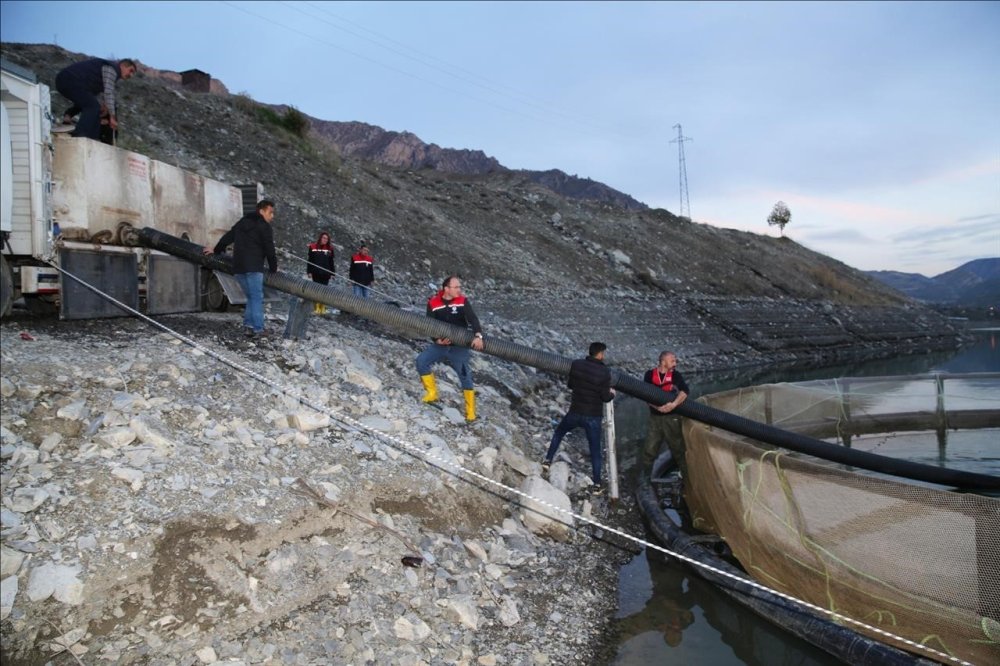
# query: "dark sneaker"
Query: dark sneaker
{"points": [[249, 332], [598, 489]]}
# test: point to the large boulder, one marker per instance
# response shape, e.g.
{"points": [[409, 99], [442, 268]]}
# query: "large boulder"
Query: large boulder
{"points": [[547, 512]]}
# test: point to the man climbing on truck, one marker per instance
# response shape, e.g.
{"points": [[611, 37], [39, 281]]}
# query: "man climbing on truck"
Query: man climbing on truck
{"points": [[82, 83]]}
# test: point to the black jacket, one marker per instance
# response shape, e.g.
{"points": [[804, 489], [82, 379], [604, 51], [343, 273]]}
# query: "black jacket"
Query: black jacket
{"points": [[90, 73], [457, 311], [590, 381], [253, 242], [362, 269], [321, 265]]}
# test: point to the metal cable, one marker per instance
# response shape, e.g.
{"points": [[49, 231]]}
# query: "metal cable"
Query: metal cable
{"points": [[465, 473]]}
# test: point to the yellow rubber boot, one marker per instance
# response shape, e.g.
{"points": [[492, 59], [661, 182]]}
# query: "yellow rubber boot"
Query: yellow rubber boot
{"points": [[321, 308], [470, 405], [430, 387]]}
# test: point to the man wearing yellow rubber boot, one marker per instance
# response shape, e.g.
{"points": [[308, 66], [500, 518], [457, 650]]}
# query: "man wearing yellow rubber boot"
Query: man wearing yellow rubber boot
{"points": [[451, 306]]}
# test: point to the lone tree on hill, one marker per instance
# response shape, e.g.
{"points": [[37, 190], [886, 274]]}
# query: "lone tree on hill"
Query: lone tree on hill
{"points": [[780, 215]]}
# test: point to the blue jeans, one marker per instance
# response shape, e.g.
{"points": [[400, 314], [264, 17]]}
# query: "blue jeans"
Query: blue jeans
{"points": [[592, 426], [456, 357], [253, 287], [361, 291]]}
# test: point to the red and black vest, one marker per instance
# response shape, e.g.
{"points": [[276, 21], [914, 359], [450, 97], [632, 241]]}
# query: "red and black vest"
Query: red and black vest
{"points": [[362, 269], [452, 311], [664, 380]]}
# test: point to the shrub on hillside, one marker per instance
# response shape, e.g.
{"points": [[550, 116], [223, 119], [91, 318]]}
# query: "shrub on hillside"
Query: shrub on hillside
{"points": [[295, 122]]}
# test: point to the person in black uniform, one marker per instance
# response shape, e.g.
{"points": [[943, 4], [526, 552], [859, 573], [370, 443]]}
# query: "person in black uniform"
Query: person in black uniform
{"points": [[590, 382], [321, 267], [362, 271], [450, 305]]}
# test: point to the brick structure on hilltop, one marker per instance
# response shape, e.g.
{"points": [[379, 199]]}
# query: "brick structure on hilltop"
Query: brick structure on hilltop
{"points": [[196, 80]]}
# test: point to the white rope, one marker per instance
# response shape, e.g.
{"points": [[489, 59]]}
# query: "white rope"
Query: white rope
{"points": [[442, 462]]}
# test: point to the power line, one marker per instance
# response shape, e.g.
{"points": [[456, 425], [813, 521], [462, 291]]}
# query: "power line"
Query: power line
{"points": [[548, 112], [685, 205], [433, 62]]}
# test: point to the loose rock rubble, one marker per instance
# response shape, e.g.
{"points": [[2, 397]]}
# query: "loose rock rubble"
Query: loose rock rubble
{"points": [[153, 510]]}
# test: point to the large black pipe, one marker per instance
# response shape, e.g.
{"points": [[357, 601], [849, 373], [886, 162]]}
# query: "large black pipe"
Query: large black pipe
{"points": [[391, 316]]}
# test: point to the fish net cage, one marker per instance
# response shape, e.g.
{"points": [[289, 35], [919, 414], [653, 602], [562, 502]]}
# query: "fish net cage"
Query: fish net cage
{"points": [[913, 559]]}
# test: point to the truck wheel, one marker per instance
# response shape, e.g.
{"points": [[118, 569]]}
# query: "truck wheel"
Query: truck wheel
{"points": [[215, 298], [6, 287]]}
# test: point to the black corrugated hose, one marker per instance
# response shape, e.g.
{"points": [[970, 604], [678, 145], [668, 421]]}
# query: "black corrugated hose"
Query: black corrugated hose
{"points": [[418, 324]]}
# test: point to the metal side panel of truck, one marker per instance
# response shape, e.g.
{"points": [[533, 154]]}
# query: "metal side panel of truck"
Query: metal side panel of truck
{"points": [[71, 198]]}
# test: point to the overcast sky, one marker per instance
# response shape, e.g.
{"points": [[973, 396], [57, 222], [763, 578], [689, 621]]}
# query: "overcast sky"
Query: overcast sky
{"points": [[877, 123]]}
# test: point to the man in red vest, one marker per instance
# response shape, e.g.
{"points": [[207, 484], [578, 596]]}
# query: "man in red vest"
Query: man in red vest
{"points": [[662, 424], [362, 272], [451, 306]]}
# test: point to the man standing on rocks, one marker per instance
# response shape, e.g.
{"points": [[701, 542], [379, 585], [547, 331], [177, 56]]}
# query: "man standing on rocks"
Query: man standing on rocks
{"points": [[451, 306], [662, 424], [362, 271], [590, 382], [83, 81], [253, 242]]}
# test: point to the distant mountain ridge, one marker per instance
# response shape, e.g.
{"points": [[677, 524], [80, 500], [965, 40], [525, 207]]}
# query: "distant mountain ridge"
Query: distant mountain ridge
{"points": [[406, 150], [975, 283]]}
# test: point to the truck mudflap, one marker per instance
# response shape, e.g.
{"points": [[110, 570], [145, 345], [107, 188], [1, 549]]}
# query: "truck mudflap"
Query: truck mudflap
{"points": [[222, 287], [232, 288]]}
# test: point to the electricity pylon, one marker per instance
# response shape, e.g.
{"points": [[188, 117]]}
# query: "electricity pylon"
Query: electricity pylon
{"points": [[682, 169]]}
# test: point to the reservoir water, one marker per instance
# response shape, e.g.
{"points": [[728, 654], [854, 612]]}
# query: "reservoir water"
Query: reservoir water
{"points": [[668, 615]]}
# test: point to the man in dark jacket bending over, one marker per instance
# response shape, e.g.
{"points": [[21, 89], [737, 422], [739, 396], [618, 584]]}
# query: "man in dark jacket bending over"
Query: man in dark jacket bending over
{"points": [[590, 381], [253, 242], [83, 81]]}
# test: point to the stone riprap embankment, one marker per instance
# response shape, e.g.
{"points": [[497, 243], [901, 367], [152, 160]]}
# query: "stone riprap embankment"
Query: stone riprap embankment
{"points": [[151, 510], [715, 333]]}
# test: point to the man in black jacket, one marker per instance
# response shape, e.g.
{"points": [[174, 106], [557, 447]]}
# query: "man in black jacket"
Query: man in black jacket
{"points": [[253, 242], [83, 81], [590, 382]]}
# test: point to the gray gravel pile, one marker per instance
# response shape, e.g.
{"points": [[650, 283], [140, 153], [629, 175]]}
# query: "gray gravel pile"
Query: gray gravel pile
{"points": [[154, 512]]}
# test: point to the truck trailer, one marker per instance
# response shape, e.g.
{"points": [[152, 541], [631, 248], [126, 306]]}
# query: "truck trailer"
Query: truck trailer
{"points": [[70, 207]]}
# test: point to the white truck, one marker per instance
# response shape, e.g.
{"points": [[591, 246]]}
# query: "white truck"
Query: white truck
{"points": [[70, 203]]}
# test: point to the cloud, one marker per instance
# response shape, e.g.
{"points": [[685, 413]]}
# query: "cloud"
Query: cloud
{"points": [[964, 228]]}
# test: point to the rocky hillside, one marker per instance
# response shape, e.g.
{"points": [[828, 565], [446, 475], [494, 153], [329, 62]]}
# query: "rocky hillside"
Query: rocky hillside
{"points": [[406, 150], [640, 278]]}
